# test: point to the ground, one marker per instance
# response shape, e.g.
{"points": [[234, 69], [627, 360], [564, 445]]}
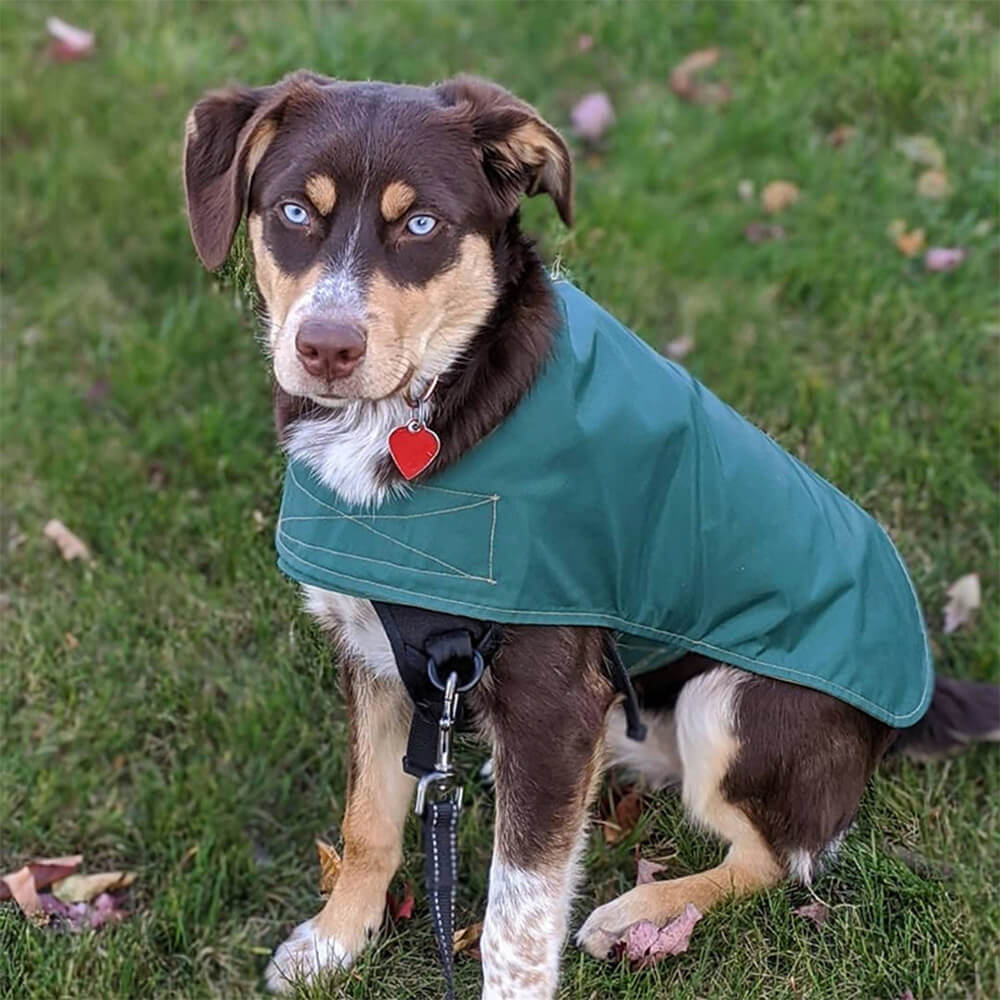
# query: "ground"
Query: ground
{"points": [[169, 708]]}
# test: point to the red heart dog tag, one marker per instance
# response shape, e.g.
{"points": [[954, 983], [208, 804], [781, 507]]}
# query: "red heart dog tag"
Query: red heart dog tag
{"points": [[413, 447]]}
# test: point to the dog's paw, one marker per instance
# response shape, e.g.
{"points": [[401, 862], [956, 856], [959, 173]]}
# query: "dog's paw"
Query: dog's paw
{"points": [[602, 930], [302, 956]]}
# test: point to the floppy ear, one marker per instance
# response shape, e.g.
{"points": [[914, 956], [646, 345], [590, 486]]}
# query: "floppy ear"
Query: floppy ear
{"points": [[226, 134], [522, 153]]}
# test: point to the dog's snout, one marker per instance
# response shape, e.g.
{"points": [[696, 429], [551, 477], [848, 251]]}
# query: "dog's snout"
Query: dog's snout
{"points": [[330, 348]]}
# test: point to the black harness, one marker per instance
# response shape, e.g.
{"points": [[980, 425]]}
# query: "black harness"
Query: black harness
{"points": [[440, 657]]}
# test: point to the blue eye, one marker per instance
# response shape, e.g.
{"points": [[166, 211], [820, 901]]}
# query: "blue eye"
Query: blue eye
{"points": [[421, 225], [295, 214]]}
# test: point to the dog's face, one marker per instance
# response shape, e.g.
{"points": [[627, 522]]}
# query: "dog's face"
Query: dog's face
{"points": [[373, 211]]}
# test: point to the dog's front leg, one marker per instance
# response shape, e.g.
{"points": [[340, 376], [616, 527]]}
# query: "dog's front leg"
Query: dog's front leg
{"points": [[546, 707], [378, 799]]}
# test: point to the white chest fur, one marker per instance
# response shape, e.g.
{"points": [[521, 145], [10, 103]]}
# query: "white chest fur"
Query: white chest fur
{"points": [[356, 626]]}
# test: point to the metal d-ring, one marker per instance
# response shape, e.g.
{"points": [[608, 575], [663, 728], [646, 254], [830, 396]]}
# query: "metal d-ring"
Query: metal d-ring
{"points": [[477, 672]]}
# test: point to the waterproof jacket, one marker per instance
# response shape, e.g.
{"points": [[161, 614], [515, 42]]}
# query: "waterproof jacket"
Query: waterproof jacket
{"points": [[622, 493]]}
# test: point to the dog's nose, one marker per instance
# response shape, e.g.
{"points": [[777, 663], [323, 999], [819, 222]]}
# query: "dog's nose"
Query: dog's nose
{"points": [[330, 348]]}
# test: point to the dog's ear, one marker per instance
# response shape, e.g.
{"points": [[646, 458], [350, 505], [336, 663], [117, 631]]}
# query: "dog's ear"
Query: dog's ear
{"points": [[521, 152], [226, 135]]}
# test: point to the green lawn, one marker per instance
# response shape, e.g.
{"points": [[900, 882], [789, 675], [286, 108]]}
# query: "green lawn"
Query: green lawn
{"points": [[193, 731]]}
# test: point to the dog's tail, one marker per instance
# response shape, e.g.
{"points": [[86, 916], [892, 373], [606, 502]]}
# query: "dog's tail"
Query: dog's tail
{"points": [[961, 712]]}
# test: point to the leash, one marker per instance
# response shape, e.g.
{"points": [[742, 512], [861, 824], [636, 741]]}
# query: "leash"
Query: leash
{"points": [[441, 657]]}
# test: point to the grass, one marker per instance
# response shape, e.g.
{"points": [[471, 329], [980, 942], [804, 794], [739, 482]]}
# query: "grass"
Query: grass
{"points": [[169, 709]]}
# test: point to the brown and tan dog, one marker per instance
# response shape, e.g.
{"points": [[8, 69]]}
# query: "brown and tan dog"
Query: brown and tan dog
{"points": [[384, 226]]}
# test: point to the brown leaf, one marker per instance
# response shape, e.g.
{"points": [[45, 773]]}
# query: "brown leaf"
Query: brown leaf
{"points": [[964, 598], [933, 184], [684, 83], [646, 871], [778, 195], [69, 544], [84, 888], [592, 116], [816, 911], [763, 232], [842, 135], [68, 42], [645, 944], [329, 866], [21, 886], [45, 871], [908, 243], [71, 640], [401, 909], [628, 809], [465, 937]]}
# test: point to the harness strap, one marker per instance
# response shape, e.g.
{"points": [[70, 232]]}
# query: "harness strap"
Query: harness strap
{"points": [[440, 823]]}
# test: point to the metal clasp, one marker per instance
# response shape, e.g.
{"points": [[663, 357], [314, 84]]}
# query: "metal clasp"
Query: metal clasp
{"points": [[441, 785]]}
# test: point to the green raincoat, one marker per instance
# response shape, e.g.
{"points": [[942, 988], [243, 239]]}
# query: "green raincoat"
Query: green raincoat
{"points": [[621, 493]]}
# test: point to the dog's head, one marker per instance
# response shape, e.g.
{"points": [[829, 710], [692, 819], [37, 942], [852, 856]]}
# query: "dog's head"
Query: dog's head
{"points": [[373, 212]]}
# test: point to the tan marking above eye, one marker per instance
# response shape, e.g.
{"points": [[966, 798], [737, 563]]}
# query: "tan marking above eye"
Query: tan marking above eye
{"points": [[322, 192], [396, 199]]}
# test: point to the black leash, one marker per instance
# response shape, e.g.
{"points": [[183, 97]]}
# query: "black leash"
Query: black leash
{"points": [[440, 657]]}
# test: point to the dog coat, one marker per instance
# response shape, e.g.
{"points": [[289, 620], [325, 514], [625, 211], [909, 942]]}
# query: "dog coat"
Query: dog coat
{"points": [[621, 493]]}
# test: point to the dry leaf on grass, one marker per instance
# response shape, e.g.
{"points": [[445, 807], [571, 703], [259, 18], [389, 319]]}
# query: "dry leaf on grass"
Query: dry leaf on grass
{"points": [[922, 149], [842, 135], [944, 258], [627, 811], [817, 912], [69, 43], [466, 938], [646, 871], [745, 190], [84, 888], [400, 909], [778, 195], [645, 944], [763, 232], [329, 866], [21, 886], [592, 116], [70, 545], [680, 348], [584, 43], [684, 82], [964, 598], [908, 242], [933, 184], [45, 871]]}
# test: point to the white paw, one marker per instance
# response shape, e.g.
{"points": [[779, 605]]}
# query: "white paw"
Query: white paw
{"points": [[602, 929], [301, 956]]}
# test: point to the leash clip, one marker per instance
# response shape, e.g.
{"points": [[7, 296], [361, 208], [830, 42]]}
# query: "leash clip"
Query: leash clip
{"points": [[441, 784]]}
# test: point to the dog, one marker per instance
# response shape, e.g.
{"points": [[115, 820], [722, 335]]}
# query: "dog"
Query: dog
{"points": [[392, 272]]}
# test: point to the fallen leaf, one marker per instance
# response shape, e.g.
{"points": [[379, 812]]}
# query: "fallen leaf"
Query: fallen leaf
{"points": [[68, 42], [908, 243], [401, 909], [645, 944], [944, 258], [329, 866], [933, 184], [71, 640], [745, 190], [584, 43], [842, 135], [763, 232], [45, 871], [816, 911], [465, 937], [646, 871], [684, 84], [83, 888], [592, 116], [778, 195], [922, 149], [69, 544], [105, 909], [906, 995], [964, 597], [21, 886], [156, 475], [679, 348], [628, 809]]}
